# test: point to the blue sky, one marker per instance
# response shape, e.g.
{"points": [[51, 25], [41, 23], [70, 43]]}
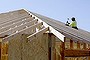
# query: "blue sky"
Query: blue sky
{"points": [[56, 9]]}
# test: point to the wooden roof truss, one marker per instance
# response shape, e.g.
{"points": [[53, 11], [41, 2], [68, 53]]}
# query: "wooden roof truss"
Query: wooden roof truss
{"points": [[30, 24]]}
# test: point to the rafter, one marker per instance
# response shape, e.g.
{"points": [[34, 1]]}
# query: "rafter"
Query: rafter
{"points": [[14, 21], [18, 28], [37, 34], [52, 30], [13, 25], [23, 31]]}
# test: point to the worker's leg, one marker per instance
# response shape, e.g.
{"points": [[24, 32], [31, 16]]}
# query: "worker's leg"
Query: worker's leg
{"points": [[75, 28]]}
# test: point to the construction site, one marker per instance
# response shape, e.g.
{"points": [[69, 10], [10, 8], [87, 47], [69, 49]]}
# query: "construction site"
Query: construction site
{"points": [[25, 35]]}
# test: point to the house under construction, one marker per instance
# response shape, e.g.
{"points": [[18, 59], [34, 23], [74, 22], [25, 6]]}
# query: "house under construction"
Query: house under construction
{"points": [[26, 35]]}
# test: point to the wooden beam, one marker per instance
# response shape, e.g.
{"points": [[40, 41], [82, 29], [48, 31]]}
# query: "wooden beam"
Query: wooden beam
{"points": [[57, 50], [88, 57], [13, 25], [18, 28], [23, 31], [75, 38], [53, 38], [49, 45], [84, 45], [12, 21], [58, 34], [55, 54], [76, 53], [78, 45], [71, 44], [37, 34], [52, 30], [0, 49], [5, 19], [63, 48]]}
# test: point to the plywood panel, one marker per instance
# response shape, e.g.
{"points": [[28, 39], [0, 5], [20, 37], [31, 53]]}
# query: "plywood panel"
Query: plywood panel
{"points": [[14, 49], [36, 49], [53, 47]]}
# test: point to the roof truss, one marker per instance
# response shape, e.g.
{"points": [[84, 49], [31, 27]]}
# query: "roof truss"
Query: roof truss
{"points": [[30, 24]]}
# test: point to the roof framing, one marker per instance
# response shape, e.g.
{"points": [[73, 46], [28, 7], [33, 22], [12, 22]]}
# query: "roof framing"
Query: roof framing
{"points": [[52, 30], [34, 26]]}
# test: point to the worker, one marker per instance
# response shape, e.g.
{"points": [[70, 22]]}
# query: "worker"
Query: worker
{"points": [[73, 24]]}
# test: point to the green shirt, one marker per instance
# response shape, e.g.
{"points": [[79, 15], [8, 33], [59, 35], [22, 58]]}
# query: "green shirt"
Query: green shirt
{"points": [[73, 24]]}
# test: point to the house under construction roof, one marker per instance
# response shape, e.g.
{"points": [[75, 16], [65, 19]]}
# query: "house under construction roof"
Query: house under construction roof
{"points": [[26, 35]]}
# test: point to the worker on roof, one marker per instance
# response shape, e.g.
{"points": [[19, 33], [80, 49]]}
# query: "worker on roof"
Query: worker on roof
{"points": [[73, 24]]}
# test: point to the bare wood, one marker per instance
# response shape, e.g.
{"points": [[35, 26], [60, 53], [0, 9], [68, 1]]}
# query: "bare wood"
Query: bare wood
{"points": [[71, 44], [58, 34], [24, 31], [63, 48], [62, 53], [12, 21], [49, 46], [55, 54], [18, 28], [37, 34], [76, 53], [58, 49], [52, 30], [0, 48], [88, 57], [0, 51], [13, 25], [78, 45], [9, 16], [53, 47], [76, 38], [84, 45]]}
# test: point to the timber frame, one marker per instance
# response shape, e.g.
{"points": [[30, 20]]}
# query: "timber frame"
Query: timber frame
{"points": [[27, 34]]}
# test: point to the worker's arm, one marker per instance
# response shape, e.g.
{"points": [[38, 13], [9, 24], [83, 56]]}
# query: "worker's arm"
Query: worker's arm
{"points": [[73, 24]]}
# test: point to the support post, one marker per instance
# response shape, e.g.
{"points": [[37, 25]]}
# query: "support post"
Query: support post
{"points": [[49, 46], [71, 44], [52, 51], [63, 48], [53, 47], [84, 46], [0, 50], [78, 45], [88, 57]]}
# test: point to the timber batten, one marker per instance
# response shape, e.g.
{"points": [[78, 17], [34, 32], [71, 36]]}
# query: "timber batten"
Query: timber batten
{"points": [[30, 36]]}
